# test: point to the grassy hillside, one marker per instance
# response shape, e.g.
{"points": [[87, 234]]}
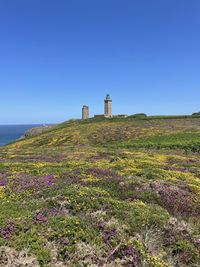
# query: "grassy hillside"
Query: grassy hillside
{"points": [[111, 192]]}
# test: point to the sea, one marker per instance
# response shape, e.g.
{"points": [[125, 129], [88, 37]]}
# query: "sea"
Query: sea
{"points": [[10, 133]]}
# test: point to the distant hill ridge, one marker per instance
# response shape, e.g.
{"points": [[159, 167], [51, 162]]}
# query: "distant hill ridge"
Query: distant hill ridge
{"points": [[110, 132]]}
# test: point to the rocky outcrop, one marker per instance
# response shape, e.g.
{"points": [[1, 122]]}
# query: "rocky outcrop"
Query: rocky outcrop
{"points": [[37, 130]]}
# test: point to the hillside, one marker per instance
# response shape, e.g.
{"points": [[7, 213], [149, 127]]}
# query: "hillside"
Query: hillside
{"points": [[109, 192]]}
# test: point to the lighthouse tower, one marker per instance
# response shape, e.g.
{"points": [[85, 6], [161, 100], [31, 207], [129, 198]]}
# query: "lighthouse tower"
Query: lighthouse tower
{"points": [[108, 106], [85, 112]]}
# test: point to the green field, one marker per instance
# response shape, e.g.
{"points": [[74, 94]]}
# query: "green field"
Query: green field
{"points": [[109, 192]]}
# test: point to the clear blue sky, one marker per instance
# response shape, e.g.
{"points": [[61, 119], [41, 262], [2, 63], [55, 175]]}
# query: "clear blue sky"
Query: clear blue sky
{"points": [[56, 55]]}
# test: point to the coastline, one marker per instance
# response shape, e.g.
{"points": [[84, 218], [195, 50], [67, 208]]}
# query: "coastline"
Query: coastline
{"points": [[11, 133]]}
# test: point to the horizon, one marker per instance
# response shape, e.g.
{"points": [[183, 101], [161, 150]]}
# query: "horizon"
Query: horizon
{"points": [[57, 56], [157, 116]]}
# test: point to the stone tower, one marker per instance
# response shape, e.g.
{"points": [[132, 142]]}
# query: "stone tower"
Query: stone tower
{"points": [[108, 106], [85, 112]]}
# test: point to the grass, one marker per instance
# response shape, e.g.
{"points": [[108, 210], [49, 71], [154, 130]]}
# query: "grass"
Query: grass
{"points": [[119, 192], [188, 141]]}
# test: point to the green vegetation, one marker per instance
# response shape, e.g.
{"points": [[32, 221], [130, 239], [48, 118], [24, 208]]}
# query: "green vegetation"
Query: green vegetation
{"points": [[106, 192], [138, 116], [196, 114], [188, 141]]}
